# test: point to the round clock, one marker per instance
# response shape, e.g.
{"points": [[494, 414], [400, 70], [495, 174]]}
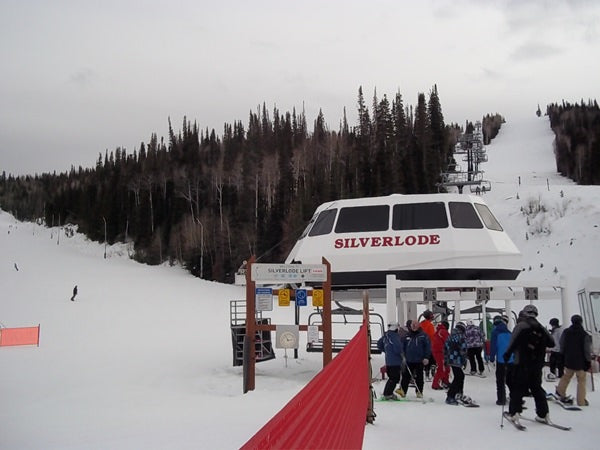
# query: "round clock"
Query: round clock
{"points": [[287, 339]]}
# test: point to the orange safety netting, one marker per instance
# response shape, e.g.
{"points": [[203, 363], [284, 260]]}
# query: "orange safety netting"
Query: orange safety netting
{"points": [[330, 412], [20, 336]]}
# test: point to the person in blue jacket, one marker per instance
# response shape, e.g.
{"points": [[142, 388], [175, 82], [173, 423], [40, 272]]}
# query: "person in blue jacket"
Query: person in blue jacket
{"points": [[391, 344], [498, 345], [417, 349]]}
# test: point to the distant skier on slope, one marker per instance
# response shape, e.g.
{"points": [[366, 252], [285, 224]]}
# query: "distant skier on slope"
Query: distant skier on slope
{"points": [[74, 293]]}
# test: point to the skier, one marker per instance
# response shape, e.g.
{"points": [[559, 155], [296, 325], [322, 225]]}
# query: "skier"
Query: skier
{"points": [[556, 357], [455, 356], [429, 329], [498, 345], [417, 349], [74, 293], [576, 346], [442, 373], [528, 342], [391, 345], [474, 339]]}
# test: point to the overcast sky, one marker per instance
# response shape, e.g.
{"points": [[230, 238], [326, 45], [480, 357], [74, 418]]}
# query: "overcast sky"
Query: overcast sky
{"points": [[80, 77]]}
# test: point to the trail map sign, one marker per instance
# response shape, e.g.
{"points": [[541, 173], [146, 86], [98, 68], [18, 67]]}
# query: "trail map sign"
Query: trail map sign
{"points": [[288, 273]]}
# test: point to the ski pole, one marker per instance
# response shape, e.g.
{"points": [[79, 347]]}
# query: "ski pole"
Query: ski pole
{"points": [[416, 384], [502, 417]]}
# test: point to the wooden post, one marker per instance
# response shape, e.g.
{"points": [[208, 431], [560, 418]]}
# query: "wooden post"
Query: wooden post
{"points": [[327, 334], [249, 341], [366, 321]]}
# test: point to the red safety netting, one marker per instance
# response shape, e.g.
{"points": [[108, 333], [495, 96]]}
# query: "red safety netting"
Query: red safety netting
{"points": [[20, 336], [330, 412]]}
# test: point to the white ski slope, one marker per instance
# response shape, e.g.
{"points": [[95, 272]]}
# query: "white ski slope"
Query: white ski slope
{"points": [[142, 358]]}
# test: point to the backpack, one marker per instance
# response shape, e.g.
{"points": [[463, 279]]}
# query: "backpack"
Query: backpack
{"points": [[535, 341]]}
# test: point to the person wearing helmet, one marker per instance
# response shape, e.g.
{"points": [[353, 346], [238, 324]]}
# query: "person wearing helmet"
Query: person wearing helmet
{"points": [[528, 343], [391, 344], [498, 345], [455, 356]]}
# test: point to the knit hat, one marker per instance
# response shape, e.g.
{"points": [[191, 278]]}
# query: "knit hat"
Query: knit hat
{"points": [[530, 311], [428, 314], [445, 324], [393, 326], [554, 322], [461, 326], [576, 319], [500, 319]]}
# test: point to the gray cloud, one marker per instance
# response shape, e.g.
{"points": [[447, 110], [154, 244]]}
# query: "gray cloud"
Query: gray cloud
{"points": [[534, 50]]}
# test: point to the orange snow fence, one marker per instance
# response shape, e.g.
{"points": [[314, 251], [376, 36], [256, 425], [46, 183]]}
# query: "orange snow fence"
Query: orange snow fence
{"points": [[330, 412], [20, 336]]}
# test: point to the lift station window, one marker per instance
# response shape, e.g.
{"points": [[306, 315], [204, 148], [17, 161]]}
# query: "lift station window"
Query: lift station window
{"points": [[363, 218], [324, 223], [419, 216], [463, 215], [595, 303], [488, 218]]}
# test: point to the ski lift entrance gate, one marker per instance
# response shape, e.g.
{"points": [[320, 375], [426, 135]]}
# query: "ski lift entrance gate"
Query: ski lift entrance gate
{"points": [[402, 297]]}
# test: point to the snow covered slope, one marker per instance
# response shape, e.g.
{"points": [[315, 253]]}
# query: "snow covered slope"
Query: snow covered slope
{"points": [[142, 358]]}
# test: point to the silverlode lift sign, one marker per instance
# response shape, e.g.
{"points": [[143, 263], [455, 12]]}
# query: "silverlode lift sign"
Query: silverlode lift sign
{"points": [[288, 273]]}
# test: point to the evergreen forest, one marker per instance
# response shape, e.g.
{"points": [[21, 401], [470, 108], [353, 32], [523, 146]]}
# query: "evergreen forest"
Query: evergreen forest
{"points": [[208, 202], [577, 142]]}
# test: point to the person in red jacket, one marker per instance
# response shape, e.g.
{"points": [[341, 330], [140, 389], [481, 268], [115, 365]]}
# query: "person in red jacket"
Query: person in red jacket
{"points": [[442, 373], [429, 329]]}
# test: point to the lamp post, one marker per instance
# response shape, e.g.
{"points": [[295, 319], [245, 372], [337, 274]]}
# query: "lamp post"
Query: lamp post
{"points": [[104, 236], [201, 248]]}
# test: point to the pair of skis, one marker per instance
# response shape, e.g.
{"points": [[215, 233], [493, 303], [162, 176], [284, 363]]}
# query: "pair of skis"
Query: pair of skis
{"points": [[406, 399], [519, 426], [466, 401], [555, 399]]}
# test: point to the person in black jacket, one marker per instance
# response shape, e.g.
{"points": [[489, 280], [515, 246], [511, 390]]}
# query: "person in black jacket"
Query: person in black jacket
{"points": [[528, 342], [576, 348], [417, 349]]}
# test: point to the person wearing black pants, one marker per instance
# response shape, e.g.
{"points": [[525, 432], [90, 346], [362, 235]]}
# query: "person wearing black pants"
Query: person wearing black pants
{"points": [[391, 344], [458, 384], [498, 345], [417, 348], [528, 343], [455, 356], [556, 357]]}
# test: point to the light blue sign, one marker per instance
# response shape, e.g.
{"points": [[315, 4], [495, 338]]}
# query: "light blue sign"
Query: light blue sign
{"points": [[264, 299], [301, 297]]}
